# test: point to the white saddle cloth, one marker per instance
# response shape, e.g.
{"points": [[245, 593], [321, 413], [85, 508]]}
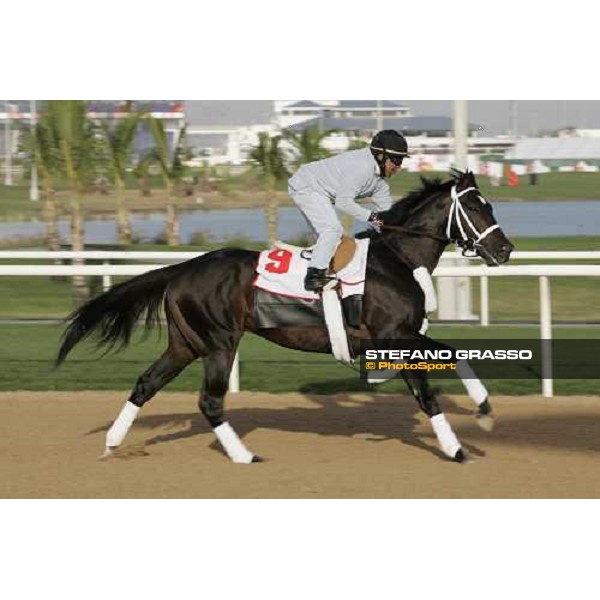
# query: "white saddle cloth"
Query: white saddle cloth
{"points": [[282, 269]]}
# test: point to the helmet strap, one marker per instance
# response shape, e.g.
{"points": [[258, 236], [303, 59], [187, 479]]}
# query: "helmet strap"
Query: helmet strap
{"points": [[381, 163]]}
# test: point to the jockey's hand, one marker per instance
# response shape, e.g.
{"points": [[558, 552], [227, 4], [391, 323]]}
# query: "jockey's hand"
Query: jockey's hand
{"points": [[376, 222]]}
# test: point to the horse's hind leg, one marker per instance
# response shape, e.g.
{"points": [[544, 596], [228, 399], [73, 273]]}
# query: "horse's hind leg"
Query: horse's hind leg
{"points": [[217, 367], [418, 383], [177, 356]]}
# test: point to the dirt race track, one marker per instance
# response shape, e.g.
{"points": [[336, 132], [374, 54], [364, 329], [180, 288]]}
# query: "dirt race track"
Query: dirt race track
{"points": [[343, 446]]}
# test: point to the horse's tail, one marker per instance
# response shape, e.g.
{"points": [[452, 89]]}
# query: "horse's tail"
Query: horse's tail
{"points": [[113, 315]]}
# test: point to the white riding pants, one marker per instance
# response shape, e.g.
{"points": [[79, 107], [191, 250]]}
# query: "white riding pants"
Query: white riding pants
{"points": [[321, 215]]}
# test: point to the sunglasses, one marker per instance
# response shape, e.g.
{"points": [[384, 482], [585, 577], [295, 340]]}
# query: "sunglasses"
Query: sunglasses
{"points": [[397, 160]]}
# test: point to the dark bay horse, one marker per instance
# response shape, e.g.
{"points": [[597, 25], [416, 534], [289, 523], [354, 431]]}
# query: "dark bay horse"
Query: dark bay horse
{"points": [[208, 302]]}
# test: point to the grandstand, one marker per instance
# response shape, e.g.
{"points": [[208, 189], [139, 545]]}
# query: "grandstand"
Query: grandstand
{"points": [[556, 152]]}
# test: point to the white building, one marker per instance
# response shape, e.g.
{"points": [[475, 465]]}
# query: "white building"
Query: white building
{"points": [[558, 150], [224, 145], [16, 115], [571, 132], [430, 138], [295, 112]]}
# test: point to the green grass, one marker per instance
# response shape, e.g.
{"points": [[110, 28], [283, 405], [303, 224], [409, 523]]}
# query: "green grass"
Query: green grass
{"points": [[551, 186], [27, 351], [15, 204], [564, 243], [517, 298], [35, 297]]}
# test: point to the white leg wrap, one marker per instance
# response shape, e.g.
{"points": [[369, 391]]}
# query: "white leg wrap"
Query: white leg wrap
{"points": [[116, 434], [476, 390], [446, 438], [233, 446], [423, 278]]}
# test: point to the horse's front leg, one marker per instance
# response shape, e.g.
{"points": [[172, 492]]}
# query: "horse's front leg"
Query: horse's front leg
{"points": [[418, 384], [473, 385], [475, 388], [478, 393]]}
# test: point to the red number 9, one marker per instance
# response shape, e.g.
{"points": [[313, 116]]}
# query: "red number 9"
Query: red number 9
{"points": [[281, 261]]}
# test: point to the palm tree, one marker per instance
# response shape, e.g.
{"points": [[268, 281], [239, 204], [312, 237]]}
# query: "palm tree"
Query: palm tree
{"points": [[308, 144], [357, 143], [75, 136], [171, 168], [142, 174], [269, 161], [119, 142], [43, 150]]}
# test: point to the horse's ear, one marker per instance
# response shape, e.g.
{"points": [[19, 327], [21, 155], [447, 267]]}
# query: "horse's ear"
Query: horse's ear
{"points": [[470, 176], [456, 174]]}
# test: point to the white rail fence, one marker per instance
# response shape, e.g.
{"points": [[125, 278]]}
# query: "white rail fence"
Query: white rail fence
{"points": [[542, 271]]}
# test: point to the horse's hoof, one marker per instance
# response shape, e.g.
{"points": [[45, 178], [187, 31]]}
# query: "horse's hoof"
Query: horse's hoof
{"points": [[486, 422], [108, 452], [485, 408], [257, 459], [462, 457]]}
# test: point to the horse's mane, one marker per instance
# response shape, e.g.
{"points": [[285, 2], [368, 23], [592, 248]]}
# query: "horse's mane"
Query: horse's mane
{"points": [[399, 212]]}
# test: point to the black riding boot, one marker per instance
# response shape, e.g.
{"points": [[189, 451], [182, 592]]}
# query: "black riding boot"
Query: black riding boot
{"points": [[316, 279]]}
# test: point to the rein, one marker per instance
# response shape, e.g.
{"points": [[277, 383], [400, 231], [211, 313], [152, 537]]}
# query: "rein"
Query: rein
{"points": [[417, 233]]}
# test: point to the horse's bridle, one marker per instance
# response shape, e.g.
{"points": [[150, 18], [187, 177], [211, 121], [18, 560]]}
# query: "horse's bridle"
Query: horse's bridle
{"points": [[460, 217]]}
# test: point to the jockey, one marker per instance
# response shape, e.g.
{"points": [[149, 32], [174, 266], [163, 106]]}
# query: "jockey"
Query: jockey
{"points": [[337, 181]]}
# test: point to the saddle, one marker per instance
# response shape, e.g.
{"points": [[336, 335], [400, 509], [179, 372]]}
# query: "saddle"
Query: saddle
{"points": [[343, 254]]}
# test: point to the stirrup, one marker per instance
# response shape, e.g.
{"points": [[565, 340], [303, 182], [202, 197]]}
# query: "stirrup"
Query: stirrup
{"points": [[316, 280], [331, 284], [318, 286]]}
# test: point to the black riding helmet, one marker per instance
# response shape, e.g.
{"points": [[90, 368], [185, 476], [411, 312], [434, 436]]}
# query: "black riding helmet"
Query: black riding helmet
{"points": [[389, 144]]}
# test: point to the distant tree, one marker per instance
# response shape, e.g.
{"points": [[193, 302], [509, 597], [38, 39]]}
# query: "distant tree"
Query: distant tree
{"points": [[269, 160], [42, 149], [171, 168], [356, 143], [119, 143], [142, 173], [75, 137], [65, 146], [308, 144]]}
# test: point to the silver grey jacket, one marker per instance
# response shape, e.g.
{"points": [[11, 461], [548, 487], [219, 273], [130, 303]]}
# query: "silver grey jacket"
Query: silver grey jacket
{"points": [[342, 179]]}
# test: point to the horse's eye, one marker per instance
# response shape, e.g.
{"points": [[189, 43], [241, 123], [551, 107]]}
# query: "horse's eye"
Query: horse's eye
{"points": [[472, 209]]}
